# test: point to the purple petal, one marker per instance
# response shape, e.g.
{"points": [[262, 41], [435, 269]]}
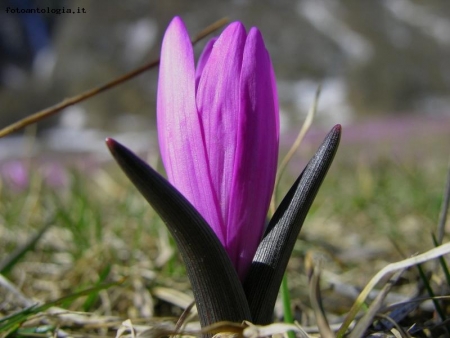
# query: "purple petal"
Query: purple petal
{"points": [[275, 102], [218, 101], [203, 59], [179, 128], [257, 152]]}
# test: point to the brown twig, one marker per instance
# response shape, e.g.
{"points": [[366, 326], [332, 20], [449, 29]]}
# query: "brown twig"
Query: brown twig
{"points": [[183, 317], [301, 134], [313, 272], [42, 114]]}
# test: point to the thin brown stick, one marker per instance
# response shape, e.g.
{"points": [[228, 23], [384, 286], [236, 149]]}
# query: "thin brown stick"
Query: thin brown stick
{"points": [[444, 209], [301, 134], [183, 317], [315, 297], [42, 114], [401, 330]]}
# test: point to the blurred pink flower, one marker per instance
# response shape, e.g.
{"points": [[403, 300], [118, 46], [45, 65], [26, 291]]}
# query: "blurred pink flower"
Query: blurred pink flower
{"points": [[15, 173], [55, 175]]}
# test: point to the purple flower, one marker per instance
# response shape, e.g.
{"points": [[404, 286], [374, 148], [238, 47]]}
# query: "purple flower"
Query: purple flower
{"points": [[16, 174], [55, 175], [218, 127]]}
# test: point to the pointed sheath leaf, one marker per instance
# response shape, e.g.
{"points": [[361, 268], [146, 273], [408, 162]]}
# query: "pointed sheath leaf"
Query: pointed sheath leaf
{"points": [[215, 283], [271, 258]]}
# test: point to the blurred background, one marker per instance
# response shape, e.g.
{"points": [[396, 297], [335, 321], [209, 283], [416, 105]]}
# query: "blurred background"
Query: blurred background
{"points": [[384, 66]]}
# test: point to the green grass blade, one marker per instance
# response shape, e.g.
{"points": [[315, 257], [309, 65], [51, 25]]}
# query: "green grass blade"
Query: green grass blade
{"points": [[13, 322], [286, 299], [7, 264], [442, 261], [430, 291], [92, 298]]}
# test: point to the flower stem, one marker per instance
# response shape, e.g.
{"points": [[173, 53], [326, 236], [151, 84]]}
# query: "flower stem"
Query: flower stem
{"points": [[285, 296]]}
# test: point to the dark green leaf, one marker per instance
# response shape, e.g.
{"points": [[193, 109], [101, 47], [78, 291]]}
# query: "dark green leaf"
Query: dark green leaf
{"points": [[217, 289], [271, 258]]}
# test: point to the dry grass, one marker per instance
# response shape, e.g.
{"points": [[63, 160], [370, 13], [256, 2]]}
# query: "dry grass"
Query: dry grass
{"points": [[99, 231]]}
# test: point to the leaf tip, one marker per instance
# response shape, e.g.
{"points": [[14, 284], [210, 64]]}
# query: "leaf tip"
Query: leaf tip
{"points": [[112, 145], [110, 142]]}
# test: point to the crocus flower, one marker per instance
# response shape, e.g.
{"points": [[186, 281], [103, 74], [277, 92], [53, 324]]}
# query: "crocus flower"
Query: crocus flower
{"points": [[218, 131], [218, 128]]}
